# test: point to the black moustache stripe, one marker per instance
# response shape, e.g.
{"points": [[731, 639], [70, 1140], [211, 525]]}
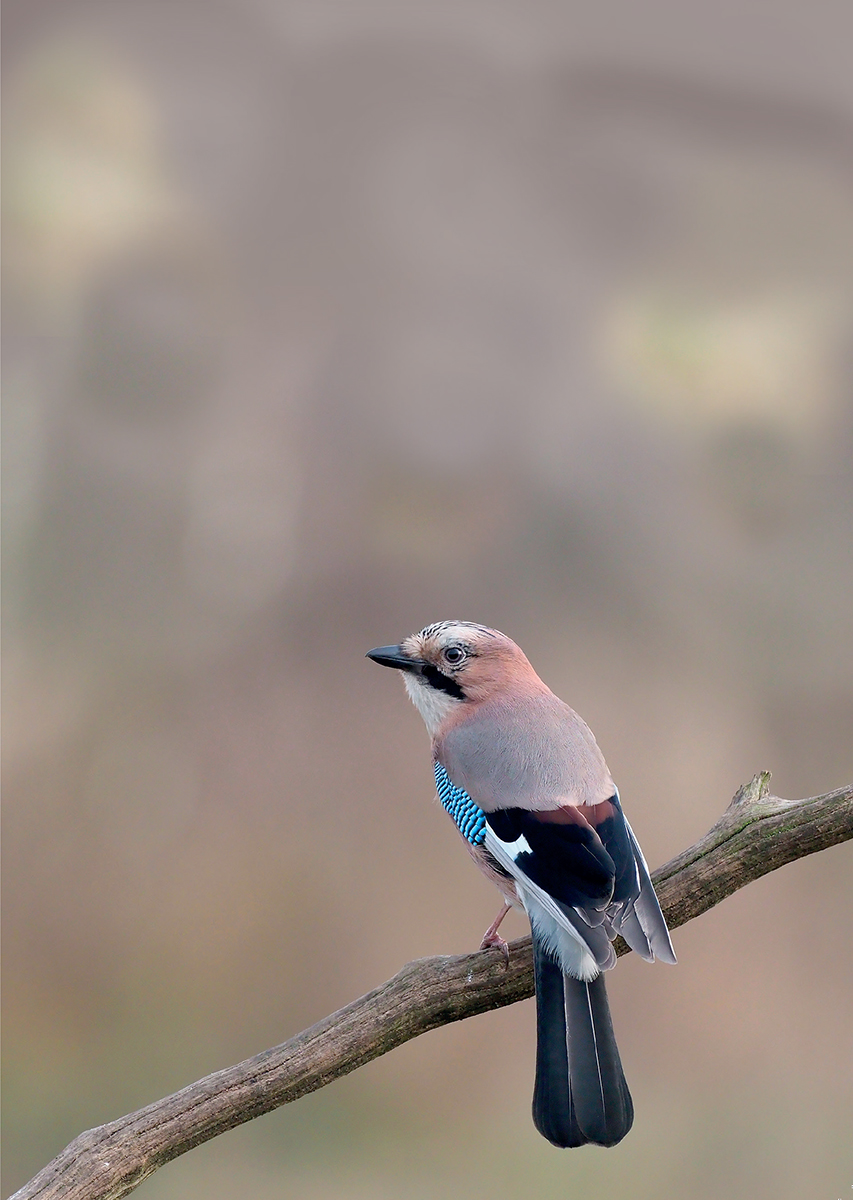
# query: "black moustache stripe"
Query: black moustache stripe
{"points": [[442, 683]]}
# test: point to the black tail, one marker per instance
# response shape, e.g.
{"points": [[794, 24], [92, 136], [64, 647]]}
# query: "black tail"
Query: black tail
{"points": [[580, 1095]]}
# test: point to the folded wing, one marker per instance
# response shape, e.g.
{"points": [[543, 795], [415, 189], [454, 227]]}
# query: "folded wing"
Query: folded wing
{"points": [[582, 878]]}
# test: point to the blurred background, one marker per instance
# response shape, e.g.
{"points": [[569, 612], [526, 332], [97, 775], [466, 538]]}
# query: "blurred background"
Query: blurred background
{"points": [[328, 320]]}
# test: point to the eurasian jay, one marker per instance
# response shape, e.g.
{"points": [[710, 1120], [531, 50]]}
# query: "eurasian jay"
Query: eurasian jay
{"points": [[522, 777]]}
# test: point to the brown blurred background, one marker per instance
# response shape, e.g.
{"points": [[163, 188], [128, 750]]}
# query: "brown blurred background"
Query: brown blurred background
{"points": [[324, 321]]}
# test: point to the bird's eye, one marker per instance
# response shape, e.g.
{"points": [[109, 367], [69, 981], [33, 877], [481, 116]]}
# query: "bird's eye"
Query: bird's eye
{"points": [[453, 654]]}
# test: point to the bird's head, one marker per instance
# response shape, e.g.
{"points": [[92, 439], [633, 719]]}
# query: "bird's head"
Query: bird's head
{"points": [[452, 663]]}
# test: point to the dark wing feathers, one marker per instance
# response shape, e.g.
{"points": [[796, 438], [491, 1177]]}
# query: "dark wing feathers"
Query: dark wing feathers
{"points": [[628, 925], [567, 859], [588, 860], [596, 933], [609, 823], [647, 909]]}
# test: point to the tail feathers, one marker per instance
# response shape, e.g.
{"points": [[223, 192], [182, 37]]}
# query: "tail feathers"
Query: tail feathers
{"points": [[580, 1095]]}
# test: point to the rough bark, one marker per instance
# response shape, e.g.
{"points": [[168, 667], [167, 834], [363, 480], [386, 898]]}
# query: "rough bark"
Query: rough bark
{"points": [[757, 833]]}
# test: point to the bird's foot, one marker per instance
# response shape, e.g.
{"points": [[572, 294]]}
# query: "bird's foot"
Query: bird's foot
{"points": [[492, 938], [500, 943]]}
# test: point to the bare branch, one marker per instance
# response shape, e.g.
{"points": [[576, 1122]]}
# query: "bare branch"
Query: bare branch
{"points": [[756, 834]]}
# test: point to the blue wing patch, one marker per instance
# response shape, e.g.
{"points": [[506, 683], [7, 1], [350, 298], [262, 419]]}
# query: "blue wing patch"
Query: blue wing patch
{"points": [[470, 820]]}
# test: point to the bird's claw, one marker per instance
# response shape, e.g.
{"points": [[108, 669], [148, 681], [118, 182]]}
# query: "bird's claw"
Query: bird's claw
{"points": [[494, 939]]}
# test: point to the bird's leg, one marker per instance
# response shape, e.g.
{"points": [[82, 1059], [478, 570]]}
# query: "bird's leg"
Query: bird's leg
{"points": [[492, 938]]}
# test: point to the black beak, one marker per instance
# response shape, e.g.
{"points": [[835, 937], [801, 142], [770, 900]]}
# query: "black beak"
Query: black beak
{"points": [[392, 656]]}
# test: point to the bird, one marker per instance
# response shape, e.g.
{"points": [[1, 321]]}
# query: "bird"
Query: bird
{"points": [[523, 778]]}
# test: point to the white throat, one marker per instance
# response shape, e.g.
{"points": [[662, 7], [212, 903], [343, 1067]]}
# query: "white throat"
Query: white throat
{"points": [[433, 705]]}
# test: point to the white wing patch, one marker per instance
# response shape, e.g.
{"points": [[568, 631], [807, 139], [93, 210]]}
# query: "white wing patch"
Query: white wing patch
{"points": [[519, 846]]}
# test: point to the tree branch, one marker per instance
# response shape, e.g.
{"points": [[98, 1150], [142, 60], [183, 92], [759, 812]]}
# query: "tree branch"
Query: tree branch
{"points": [[756, 834]]}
